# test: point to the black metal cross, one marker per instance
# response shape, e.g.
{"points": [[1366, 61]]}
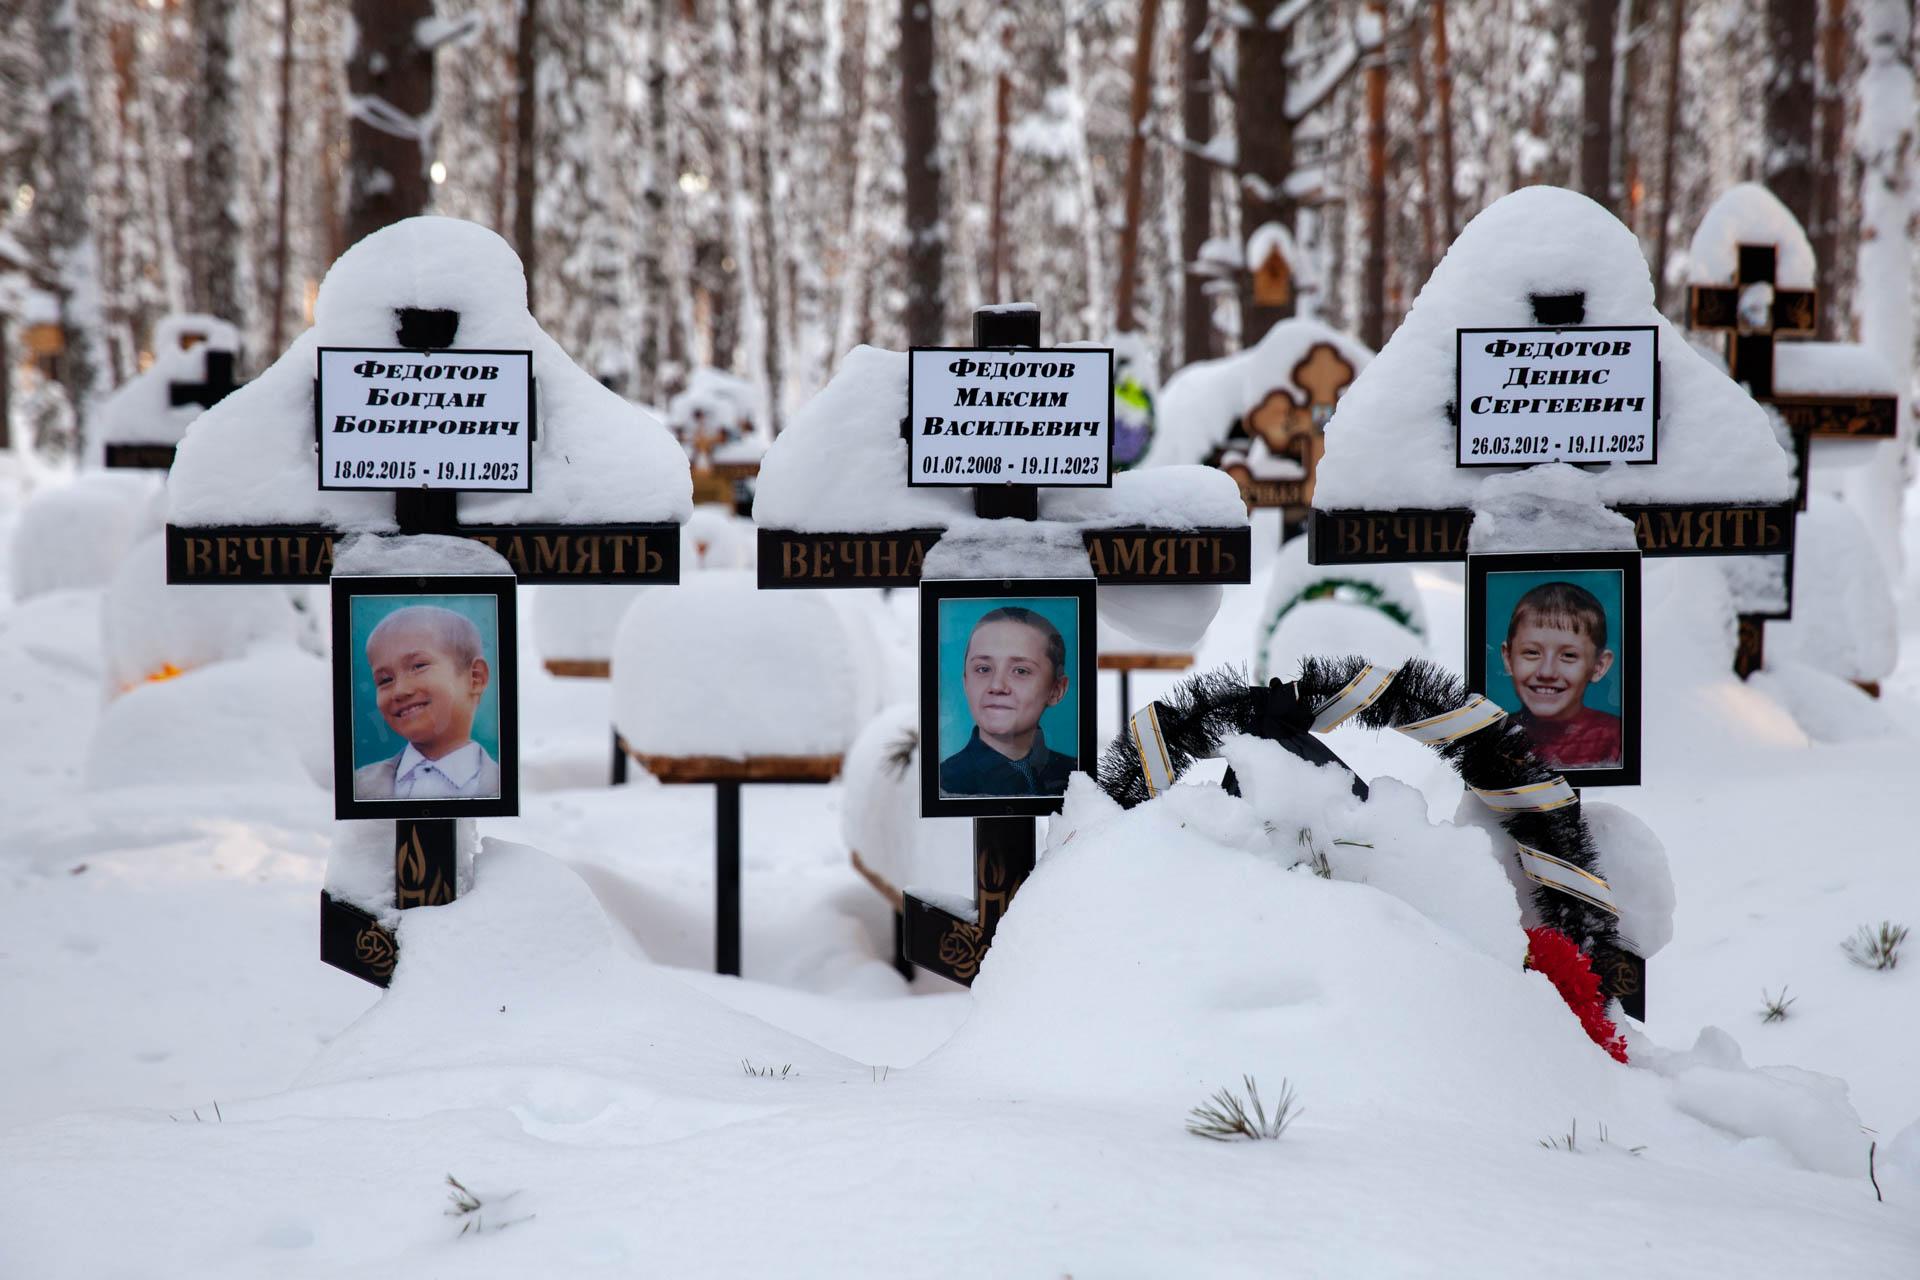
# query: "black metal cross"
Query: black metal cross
{"points": [[1749, 325]]}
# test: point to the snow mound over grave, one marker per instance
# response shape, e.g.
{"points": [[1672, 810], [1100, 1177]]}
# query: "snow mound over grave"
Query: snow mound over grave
{"points": [[149, 629], [75, 535], [591, 1030], [715, 667], [880, 810], [1748, 213], [841, 466], [1157, 954], [1294, 584], [1390, 443], [260, 719], [140, 410], [1844, 618], [597, 458], [1831, 369], [1201, 402]]}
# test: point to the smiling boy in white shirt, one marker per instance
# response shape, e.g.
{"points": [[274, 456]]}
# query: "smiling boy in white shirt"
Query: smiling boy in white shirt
{"points": [[428, 678]]}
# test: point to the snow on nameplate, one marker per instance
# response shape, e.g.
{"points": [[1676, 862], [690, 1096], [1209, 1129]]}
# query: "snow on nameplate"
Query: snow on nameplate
{"points": [[1037, 416], [441, 419], [1557, 395]]}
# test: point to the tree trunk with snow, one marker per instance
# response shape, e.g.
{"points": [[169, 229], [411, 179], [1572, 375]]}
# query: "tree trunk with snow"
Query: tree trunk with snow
{"points": [[1196, 182], [218, 239], [526, 70], [1786, 165], [1884, 147], [390, 80], [1373, 290], [920, 136], [1676, 29], [1823, 229], [1265, 134], [283, 155], [1596, 84], [1443, 101], [65, 213], [1136, 163]]}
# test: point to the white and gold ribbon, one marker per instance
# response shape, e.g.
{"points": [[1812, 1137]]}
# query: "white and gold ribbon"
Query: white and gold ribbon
{"points": [[1535, 797], [1576, 882], [1470, 717], [1151, 745], [1361, 692]]}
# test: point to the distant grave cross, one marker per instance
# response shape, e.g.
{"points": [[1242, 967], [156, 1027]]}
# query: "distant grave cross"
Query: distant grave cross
{"points": [[212, 389], [1752, 312]]}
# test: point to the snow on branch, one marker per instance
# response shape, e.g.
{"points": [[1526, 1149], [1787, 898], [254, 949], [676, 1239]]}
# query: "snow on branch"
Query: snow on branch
{"points": [[437, 32], [1306, 97], [376, 111]]}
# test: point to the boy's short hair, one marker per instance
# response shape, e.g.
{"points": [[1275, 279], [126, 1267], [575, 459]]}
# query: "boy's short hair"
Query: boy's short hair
{"points": [[1562, 602], [1056, 646], [453, 632]]}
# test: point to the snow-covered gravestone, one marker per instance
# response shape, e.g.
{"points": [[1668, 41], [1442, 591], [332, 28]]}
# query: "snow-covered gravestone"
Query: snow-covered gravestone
{"points": [[1753, 273], [1532, 347], [1260, 415], [425, 400], [141, 423], [843, 501], [1548, 259], [715, 419], [696, 700], [608, 483]]}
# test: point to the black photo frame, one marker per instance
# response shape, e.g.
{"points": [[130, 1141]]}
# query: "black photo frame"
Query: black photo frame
{"points": [[1496, 584], [939, 681], [356, 705]]}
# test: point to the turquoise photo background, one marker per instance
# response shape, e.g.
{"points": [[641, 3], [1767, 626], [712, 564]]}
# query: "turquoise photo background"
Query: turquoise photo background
{"points": [[1503, 593], [372, 740], [1059, 723]]}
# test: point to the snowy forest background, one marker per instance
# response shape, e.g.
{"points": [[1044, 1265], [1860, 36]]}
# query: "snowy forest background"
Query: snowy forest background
{"points": [[760, 185]]}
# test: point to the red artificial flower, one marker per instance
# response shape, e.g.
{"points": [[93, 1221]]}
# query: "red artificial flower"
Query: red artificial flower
{"points": [[1554, 954]]}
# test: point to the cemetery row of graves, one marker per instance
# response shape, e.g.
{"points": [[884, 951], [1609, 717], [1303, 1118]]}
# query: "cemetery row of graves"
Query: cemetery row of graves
{"points": [[985, 605], [425, 450]]}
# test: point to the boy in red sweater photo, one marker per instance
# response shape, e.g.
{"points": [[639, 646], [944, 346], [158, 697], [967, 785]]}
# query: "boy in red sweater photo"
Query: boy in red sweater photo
{"points": [[1556, 647]]}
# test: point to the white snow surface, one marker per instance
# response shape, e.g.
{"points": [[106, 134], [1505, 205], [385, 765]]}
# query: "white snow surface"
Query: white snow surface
{"points": [[138, 411], [147, 626], [1201, 402], [841, 466], [716, 667], [175, 1051], [1391, 445], [880, 812], [1831, 369], [1844, 620], [1748, 213], [598, 458], [74, 535]]}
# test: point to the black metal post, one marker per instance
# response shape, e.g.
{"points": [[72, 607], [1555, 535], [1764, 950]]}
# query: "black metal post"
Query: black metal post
{"points": [[1006, 329], [726, 876], [425, 870], [619, 760], [1126, 697]]}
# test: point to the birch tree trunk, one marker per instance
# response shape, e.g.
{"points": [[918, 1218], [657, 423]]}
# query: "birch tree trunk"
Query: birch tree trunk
{"points": [[1136, 163], [76, 267], [920, 137]]}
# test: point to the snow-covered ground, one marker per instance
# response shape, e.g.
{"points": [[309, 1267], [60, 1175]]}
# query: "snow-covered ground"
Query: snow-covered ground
{"points": [[186, 1090]]}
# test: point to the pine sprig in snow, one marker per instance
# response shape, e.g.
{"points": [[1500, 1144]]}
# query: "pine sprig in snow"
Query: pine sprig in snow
{"points": [[1225, 1118]]}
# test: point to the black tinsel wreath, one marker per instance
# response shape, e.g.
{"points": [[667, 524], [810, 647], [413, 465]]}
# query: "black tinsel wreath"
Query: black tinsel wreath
{"points": [[1206, 708]]}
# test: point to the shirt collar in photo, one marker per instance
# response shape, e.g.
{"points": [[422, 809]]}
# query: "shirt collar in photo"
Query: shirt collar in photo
{"points": [[460, 767]]}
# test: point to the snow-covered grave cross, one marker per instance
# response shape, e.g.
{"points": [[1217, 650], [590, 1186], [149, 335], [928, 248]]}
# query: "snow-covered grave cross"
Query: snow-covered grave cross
{"points": [[1754, 273], [600, 499], [1260, 415], [139, 426], [1388, 489], [1535, 346], [868, 484]]}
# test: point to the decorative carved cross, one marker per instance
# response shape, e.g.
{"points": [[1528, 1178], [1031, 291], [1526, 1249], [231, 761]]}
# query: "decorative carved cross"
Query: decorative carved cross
{"points": [[1752, 312]]}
